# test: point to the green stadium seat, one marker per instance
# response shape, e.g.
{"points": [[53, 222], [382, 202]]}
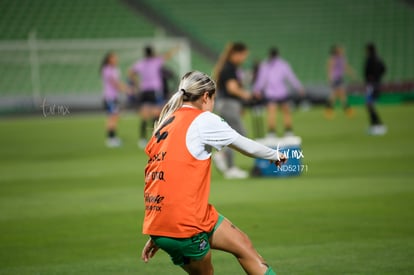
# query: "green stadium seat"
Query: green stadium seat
{"points": [[303, 30]]}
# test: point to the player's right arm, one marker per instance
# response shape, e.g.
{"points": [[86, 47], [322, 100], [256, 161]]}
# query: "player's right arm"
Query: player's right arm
{"points": [[133, 76], [252, 148], [233, 87], [293, 80]]}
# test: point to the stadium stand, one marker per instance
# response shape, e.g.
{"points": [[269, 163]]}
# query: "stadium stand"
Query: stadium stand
{"points": [[57, 19], [303, 30]]}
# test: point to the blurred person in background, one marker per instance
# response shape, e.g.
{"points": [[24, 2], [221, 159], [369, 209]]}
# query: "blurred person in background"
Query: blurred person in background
{"points": [[169, 79], [273, 80], [374, 70], [257, 105], [337, 69], [110, 74], [231, 95], [146, 75]]}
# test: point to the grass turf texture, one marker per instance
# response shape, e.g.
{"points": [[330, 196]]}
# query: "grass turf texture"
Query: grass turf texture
{"points": [[71, 206]]}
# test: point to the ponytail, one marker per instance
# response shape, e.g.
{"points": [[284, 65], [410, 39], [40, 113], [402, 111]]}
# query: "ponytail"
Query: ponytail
{"points": [[175, 102], [233, 47], [105, 61], [224, 56], [192, 86]]}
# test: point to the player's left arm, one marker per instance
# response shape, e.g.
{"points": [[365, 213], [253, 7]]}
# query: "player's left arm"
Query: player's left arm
{"points": [[252, 148], [119, 85], [294, 81], [215, 132]]}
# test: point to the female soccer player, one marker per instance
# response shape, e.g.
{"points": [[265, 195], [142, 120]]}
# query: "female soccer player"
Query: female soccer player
{"points": [[337, 68], [178, 217], [373, 72], [150, 98], [231, 96], [273, 77], [111, 86]]}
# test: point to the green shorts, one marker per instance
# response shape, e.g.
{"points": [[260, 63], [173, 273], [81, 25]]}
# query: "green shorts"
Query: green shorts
{"points": [[182, 250]]}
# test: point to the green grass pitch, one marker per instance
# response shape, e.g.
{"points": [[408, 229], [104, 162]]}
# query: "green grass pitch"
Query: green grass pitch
{"points": [[69, 205]]}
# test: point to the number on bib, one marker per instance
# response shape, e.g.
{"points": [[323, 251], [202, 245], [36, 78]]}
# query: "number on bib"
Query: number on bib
{"points": [[163, 135]]}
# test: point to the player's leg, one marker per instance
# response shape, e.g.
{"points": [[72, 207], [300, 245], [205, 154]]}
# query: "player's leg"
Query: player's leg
{"points": [[341, 95], [376, 118], [145, 117], [332, 97], [330, 103], [373, 115], [287, 118], [231, 112], [220, 158], [229, 238], [111, 123], [336, 96], [376, 126], [344, 101], [155, 103], [155, 113], [271, 117], [200, 267]]}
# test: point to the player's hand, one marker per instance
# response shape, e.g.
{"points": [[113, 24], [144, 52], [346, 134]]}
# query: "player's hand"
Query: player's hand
{"points": [[282, 160], [246, 96], [149, 250], [257, 95]]}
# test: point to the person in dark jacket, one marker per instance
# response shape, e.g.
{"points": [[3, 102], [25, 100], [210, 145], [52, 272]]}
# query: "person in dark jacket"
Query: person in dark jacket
{"points": [[373, 72]]}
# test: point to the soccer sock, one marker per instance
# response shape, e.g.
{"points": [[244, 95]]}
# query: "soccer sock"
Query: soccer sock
{"points": [[270, 271], [143, 129], [111, 133]]}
